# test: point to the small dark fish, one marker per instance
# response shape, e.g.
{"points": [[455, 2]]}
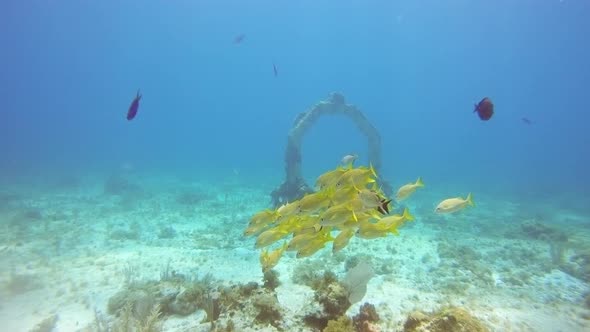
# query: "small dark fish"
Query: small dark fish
{"points": [[383, 207], [132, 112], [527, 121], [485, 109], [274, 69], [239, 38]]}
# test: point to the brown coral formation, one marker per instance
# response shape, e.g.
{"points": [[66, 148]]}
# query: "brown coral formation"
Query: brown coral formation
{"points": [[451, 319], [342, 324], [268, 308], [366, 319], [333, 299]]}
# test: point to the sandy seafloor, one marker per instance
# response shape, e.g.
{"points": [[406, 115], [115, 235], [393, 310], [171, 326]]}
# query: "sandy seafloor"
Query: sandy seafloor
{"points": [[67, 246]]}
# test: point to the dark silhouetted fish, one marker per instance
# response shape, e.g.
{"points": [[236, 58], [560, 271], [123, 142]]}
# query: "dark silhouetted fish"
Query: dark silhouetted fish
{"points": [[239, 38], [527, 121], [274, 69], [383, 207], [484, 109], [132, 112]]}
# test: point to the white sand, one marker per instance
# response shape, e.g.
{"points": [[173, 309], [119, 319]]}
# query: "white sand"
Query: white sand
{"points": [[75, 262]]}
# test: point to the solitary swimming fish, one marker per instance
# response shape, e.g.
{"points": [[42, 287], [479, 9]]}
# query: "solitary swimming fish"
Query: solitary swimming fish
{"points": [[484, 109], [527, 121], [451, 205], [408, 189], [132, 112], [274, 69]]}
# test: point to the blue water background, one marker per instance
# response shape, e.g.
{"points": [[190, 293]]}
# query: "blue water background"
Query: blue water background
{"points": [[69, 69]]}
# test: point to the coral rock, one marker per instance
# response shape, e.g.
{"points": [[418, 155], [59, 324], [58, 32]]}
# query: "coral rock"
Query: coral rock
{"points": [[365, 319], [452, 319]]}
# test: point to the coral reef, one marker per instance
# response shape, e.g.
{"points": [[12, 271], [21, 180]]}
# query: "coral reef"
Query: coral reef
{"points": [[269, 309], [334, 296], [450, 319], [342, 324], [210, 304], [365, 320], [333, 299], [137, 297], [132, 319], [233, 297], [253, 301], [414, 320], [175, 294], [271, 280]]}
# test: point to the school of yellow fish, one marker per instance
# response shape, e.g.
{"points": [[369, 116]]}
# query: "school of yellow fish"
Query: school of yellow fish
{"points": [[348, 203]]}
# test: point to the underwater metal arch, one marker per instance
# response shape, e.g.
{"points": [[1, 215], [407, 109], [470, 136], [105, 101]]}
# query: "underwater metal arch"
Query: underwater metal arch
{"points": [[294, 186]]}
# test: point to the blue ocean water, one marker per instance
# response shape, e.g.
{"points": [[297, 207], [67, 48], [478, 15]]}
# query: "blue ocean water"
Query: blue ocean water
{"points": [[212, 109], [70, 69]]}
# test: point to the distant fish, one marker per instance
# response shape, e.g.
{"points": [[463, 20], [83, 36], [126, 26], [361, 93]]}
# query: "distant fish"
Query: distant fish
{"points": [[484, 109], [527, 121], [132, 112], [349, 159], [239, 38], [274, 69]]}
